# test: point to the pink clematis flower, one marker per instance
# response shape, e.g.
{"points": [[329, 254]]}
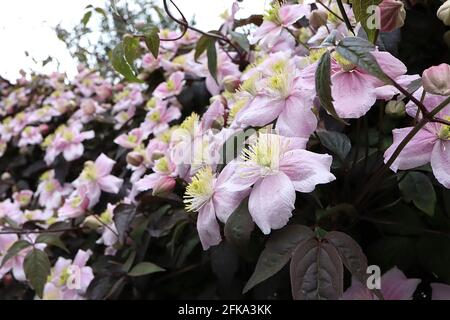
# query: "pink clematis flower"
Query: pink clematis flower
{"points": [[171, 87], [69, 279], [68, 141], [76, 204], [275, 165], [394, 286], [430, 145], [30, 136], [130, 140], [355, 91], [158, 118], [161, 181], [96, 177], [207, 195], [281, 97], [276, 19]]}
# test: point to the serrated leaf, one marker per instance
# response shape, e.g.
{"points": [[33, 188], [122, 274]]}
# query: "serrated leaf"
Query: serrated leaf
{"points": [[417, 188], [37, 268], [123, 215], [212, 59], [86, 18], [239, 226], [366, 16], [201, 46], [316, 272], [152, 41], [14, 250], [51, 239], [121, 65], [144, 268], [338, 143], [358, 51], [277, 252], [323, 85]]}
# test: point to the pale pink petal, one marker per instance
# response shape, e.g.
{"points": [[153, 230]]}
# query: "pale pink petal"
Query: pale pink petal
{"points": [[208, 227], [395, 285], [110, 184], [148, 182], [440, 162], [82, 257], [440, 291], [416, 153], [73, 151], [267, 29], [357, 291], [390, 64], [307, 169], [261, 111], [297, 118], [226, 202], [289, 14], [353, 93], [272, 212], [104, 165]]}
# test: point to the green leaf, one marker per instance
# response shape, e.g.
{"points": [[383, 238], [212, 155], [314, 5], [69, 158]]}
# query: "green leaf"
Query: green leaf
{"points": [[338, 143], [417, 187], [14, 250], [51, 239], [37, 268], [239, 226], [144, 268], [152, 41], [121, 65], [358, 51], [86, 18], [316, 272], [277, 252], [241, 39], [323, 85], [366, 16], [201, 46], [101, 11], [212, 59], [131, 49]]}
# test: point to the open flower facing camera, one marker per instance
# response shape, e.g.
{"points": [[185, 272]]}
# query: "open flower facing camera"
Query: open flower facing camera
{"points": [[285, 154]]}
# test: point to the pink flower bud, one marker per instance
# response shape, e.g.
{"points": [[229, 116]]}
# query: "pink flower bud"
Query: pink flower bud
{"points": [[43, 128], [318, 18], [231, 83], [88, 107], [437, 79], [392, 15], [164, 186], [444, 13], [135, 158]]}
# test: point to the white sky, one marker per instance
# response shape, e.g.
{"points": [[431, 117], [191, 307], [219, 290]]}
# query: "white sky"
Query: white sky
{"points": [[26, 25]]}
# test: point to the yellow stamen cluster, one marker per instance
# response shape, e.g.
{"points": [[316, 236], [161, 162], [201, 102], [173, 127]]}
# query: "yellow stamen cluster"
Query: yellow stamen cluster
{"points": [[200, 190], [162, 165], [170, 85], [190, 123], [265, 151], [273, 13], [316, 54], [344, 63], [237, 106], [444, 134], [249, 85], [89, 172]]}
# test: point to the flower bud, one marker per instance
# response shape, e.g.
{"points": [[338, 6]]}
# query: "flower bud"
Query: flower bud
{"points": [[231, 83], [318, 18], [395, 109], [88, 107], [164, 186], [392, 15], [443, 13], [92, 223], [135, 158], [436, 79]]}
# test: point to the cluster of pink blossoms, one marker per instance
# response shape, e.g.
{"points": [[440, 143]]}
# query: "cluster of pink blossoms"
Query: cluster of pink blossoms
{"points": [[276, 94]]}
